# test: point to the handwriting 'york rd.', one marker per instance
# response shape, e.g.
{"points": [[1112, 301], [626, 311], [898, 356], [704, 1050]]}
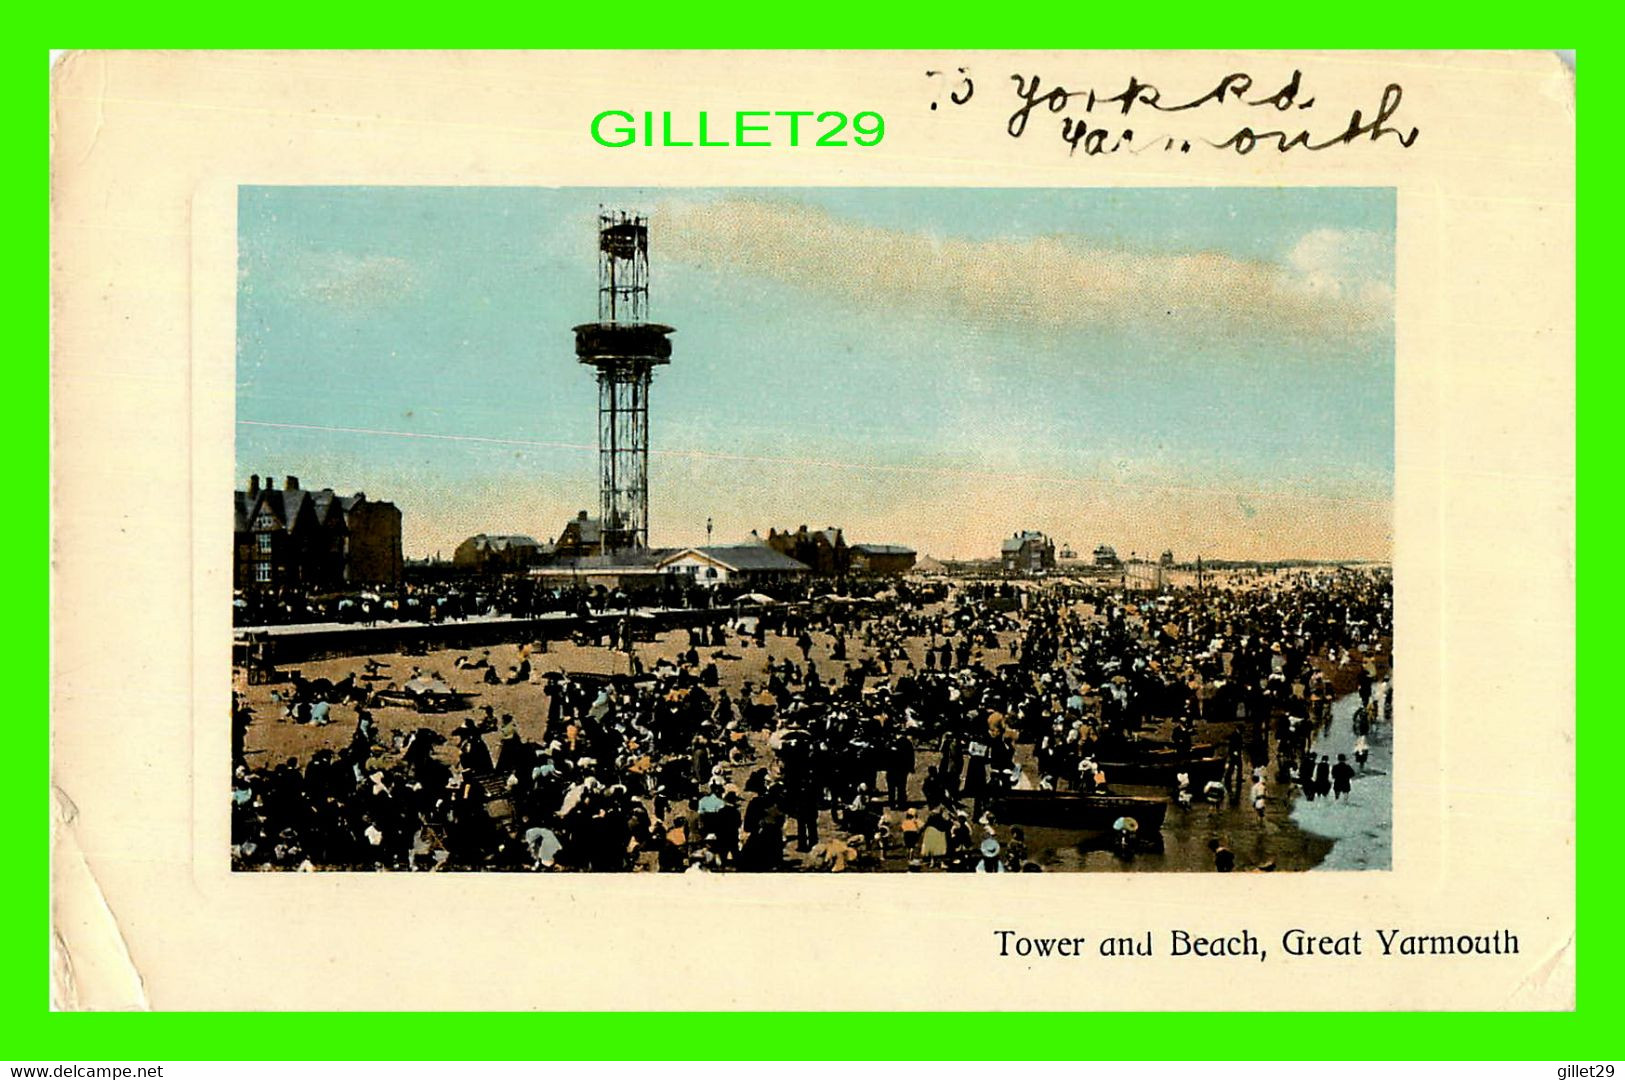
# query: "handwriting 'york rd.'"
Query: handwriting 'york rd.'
{"points": [[1145, 103]]}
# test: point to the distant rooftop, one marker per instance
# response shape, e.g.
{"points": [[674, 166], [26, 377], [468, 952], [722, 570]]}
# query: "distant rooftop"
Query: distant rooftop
{"points": [[483, 542], [741, 557], [1015, 542], [882, 549]]}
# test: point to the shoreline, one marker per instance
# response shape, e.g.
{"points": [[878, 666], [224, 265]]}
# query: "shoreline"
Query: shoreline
{"points": [[1361, 825]]}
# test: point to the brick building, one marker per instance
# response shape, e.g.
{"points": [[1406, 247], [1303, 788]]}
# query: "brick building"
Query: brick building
{"points": [[485, 554], [824, 551], [314, 539], [882, 559], [581, 538], [1027, 552]]}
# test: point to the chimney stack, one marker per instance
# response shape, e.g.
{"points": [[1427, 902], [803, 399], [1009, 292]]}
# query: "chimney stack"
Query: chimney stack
{"points": [[290, 483], [254, 484]]}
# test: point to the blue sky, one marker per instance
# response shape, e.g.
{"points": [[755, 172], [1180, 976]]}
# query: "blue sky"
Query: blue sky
{"points": [[1207, 369]]}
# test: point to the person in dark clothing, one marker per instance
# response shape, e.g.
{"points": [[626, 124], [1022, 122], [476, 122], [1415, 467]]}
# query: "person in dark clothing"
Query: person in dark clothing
{"points": [[1306, 774], [763, 850], [725, 823], [932, 787], [976, 785], [700, 763], [950, 764], [241, 717], [899, 766], [1258, 749], [1342, 777], [1232, 763], [1184, 736], [1323, 776], [511, 751], [555, 702], [474, 756], [803, 807]]}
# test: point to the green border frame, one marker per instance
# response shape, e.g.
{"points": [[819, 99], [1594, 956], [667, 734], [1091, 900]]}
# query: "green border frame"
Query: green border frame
{"points": [[31, 1031]]}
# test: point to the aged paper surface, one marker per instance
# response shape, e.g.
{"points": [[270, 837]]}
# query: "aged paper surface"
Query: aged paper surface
{"points": [[149, 151]]}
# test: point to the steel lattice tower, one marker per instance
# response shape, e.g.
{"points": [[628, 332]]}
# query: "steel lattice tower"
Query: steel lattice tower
{"points": [[625, 349]]}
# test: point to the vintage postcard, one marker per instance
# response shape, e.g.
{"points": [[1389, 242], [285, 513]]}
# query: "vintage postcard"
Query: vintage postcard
{"points": [[682, 521]]}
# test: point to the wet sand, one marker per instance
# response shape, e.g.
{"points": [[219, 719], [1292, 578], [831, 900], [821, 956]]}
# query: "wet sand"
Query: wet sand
{"points": [[1352, 833], [1361, 824]]}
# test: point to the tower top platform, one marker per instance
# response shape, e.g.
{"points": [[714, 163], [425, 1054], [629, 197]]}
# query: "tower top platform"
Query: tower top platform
{"points": [[608, 341]]}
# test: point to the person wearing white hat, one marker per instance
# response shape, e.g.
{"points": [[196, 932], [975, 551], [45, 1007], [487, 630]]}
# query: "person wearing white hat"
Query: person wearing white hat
{"points": [[989, 863]]}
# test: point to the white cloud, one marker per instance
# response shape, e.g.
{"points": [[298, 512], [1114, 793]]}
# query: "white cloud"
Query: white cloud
{"points": [[1334, 283], [1351, 264], [354, 281]]}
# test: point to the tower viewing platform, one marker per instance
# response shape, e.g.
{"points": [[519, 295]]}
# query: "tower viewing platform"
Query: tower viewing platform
{"points": [[624, 347]]}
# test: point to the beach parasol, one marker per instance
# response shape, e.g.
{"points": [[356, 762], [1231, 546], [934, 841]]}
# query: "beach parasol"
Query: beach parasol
{"points": [[544, 845], [1126, 825], [786, 737]]}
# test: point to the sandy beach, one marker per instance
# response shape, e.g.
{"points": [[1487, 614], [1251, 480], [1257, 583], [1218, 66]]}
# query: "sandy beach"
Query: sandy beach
{"points": [[1294, 834]]}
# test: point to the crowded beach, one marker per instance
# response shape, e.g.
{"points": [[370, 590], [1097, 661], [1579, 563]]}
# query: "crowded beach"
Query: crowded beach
{"points": [[950, 724]]}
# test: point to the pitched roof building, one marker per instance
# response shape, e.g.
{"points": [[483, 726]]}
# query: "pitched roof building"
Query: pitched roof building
{"points": [[1026, 552], [721, 564], [314, 539], [485, 554], [581, 537], [823, 551]]}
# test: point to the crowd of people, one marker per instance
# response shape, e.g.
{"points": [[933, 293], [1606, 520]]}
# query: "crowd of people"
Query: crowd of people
{"points": [[453, 598], [882, 738], [447, 600]]}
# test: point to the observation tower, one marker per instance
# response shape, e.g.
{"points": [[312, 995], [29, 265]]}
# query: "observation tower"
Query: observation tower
{"points": [[624, 348]]}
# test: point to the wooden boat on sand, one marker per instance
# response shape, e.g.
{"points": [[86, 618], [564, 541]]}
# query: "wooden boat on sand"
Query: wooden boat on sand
{"points": [[1072, 810]]}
